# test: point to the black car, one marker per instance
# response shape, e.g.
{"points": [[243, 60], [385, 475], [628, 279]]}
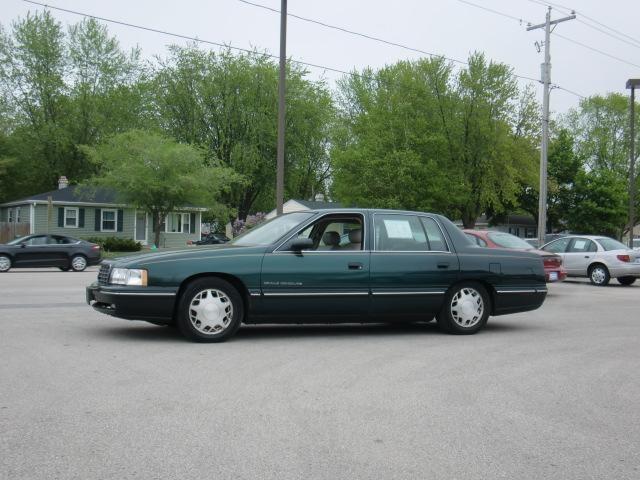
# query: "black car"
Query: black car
{"points": [[212, 239], [66, 253]]}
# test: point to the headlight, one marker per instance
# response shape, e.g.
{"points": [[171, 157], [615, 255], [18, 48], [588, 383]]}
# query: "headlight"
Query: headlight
{"points": [[128, 276]]}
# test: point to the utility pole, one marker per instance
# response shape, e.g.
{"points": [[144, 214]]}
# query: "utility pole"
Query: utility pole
{"points": [[281, 108], [632, 84], [546, 81]]}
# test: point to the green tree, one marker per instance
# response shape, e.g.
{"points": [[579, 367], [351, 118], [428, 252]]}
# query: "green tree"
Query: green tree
{"points": [[227, 104], [419, 135], [600, 204], [157, 174]]}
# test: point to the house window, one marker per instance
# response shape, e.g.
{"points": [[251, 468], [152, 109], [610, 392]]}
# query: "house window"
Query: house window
{"points": [[70, 217], [177, 223], [109, 220], [11, 215], [18, 219]]}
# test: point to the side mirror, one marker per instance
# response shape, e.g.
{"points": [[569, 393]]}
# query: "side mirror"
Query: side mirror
{"points": [[300, 244], [23, 245]]}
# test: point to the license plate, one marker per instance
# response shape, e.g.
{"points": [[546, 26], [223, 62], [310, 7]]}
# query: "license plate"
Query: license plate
{"points": [[553, 276]]}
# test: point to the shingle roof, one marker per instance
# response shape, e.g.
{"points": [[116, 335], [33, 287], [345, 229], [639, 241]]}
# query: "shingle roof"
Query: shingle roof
{"points": [[73, 194], [313, 205]]}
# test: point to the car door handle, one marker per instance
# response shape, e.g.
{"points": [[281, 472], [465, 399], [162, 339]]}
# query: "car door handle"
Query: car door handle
{"points": [[443, 265], [355, 266], [587, 256]]}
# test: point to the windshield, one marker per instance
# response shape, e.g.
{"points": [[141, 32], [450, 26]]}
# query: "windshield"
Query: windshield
{"points": [[269, 232], [16, 241], [507, 240], [610, 244]]}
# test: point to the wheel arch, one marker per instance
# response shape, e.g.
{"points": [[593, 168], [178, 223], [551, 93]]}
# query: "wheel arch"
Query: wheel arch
{"points": [[232, 279]]}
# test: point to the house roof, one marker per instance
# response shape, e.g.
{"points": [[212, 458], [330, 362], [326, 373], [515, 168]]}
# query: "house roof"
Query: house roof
{"points": [[313, 205], [76, 195]]}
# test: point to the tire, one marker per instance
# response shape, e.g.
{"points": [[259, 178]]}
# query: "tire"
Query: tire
{"points": [[465, 310], [599, 275], [78, 263], [5, 263], [224, 315], [626, 280], [64, 269]]}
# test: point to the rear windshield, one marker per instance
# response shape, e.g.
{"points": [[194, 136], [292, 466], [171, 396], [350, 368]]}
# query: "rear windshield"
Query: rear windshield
{"points": [[507, 240], [610, 244]]}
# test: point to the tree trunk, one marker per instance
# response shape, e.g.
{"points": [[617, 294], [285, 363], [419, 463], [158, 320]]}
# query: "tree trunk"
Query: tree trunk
{"points": [[157, 215], [469, 220]]}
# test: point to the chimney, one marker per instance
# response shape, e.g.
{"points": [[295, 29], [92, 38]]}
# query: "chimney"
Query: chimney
{"points": [[319, 197], [63, 182]]}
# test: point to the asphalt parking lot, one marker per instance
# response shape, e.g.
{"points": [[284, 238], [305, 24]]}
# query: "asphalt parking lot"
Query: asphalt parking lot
{"points": [[553, 393]]}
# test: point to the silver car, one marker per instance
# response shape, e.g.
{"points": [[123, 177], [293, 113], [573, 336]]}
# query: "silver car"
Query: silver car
{"points": [[599, 258]]}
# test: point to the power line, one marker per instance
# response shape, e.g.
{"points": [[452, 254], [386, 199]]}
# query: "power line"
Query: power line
{"points": [[246, 50], [584, 45], [184, 37], [616, 33], [502, 14]]}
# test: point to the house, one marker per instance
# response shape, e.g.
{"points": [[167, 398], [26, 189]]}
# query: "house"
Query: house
{"points": [[68, 211], [295, 205]]}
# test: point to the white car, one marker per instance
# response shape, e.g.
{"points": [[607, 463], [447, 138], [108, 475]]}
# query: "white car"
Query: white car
{"points": [[596, 257]]}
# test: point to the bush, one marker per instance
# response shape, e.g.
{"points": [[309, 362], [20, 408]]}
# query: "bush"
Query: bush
{"points": [[115, 244]]}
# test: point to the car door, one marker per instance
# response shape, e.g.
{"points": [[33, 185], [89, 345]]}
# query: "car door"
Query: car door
{"points": [[33, 252], [329, 280], [62, 248], [579, 256], [412, 265]]}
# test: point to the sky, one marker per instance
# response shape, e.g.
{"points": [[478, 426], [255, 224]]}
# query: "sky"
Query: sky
{"points": [[452, 28]]}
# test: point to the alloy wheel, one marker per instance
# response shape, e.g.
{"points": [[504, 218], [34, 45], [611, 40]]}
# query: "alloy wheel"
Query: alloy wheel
{"points": [[5, 263]]}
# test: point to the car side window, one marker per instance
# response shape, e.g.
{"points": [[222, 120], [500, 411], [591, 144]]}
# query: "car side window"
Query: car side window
{"points": [[400, 233], [557, 246], [581, 245], [335, 233], [434, 235], [37, 240]]}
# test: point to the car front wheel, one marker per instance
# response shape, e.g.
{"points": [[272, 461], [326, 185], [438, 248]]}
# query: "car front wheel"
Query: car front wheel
{"points": [[210, 310], [5, 263], [78, 263], [626, 280], [599, 275], [465, 310]]}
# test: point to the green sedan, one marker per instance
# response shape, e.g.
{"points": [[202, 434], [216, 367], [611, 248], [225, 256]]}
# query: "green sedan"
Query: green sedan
{"points": [[327, 266]]}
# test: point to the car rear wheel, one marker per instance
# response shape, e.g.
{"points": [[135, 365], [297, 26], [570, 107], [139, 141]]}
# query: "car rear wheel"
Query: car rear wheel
{"points": [[626, 280], [465, 310], [210, 310], [599, 275], [5, 263], [78, 263]]}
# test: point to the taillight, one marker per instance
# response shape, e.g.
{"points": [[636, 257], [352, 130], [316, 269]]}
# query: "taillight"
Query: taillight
{"points": [[552, 261], [95, 247], [624, 258]]}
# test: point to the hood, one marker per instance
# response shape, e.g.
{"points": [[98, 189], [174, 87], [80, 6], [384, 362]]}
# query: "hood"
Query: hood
{"points": [[200, 251]]}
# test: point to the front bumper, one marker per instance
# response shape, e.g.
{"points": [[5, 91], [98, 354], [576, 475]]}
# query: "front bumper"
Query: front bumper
{"points": [[153, 304]]}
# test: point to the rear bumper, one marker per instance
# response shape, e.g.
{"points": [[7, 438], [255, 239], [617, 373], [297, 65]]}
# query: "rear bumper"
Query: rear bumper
{"points": [[625, 270], [153, 304], [518, 299]]}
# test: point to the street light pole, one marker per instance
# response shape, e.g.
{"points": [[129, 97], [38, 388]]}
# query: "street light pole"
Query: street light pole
{"points": [[546, 81], [281, 108], [632, 84]]}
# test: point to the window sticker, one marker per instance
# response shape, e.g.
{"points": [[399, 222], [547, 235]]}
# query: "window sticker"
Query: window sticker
{"points": [[398, 229], [579, 244]]}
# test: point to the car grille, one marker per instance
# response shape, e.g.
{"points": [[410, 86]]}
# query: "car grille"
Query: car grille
{"points": [[103, 274]]}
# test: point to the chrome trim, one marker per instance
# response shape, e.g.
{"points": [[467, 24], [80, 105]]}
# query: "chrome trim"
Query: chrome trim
{"points": [[317, 217], [533, 290], [255, 294], [313, 294], [409, 293], [415, 214], [141, 294], [413, 252]]}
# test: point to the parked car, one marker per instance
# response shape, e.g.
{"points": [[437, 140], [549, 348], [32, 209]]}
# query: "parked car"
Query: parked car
{"points": [[35, 251], [211, 239], [547, 238], [596, 257], [553, 269], [636, 244], [397, 266]]}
